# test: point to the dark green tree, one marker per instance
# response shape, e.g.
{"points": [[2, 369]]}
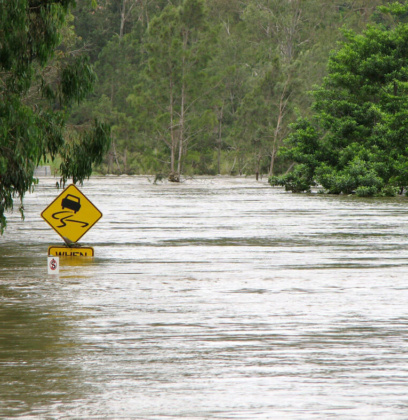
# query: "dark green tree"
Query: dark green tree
{"points": [[37, 86], [357, 140]]}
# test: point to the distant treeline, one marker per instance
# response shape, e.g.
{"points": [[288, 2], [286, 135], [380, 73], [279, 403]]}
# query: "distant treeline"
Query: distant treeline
{"points": [[206, 86]]}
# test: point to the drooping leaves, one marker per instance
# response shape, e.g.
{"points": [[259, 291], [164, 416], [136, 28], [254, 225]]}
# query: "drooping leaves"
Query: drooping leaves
{"points": [[36, 88]]}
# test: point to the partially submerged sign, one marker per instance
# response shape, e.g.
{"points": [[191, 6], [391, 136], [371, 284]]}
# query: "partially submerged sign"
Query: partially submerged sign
{"points": [[53, 265], [66, 251], [71, 214]]}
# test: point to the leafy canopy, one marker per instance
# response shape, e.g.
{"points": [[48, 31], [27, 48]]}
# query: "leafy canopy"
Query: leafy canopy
{"points": [[357, 139], [37, 87]]}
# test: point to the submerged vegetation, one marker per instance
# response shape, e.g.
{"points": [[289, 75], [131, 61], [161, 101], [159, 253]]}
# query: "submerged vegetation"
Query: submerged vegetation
{"points": [[356, 139]]}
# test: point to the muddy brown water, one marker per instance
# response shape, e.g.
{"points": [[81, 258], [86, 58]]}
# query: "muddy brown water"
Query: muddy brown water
{"points": [[217, 298]]}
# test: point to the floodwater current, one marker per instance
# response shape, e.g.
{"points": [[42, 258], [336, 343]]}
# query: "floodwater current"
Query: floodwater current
{"points": [[216, 298]]}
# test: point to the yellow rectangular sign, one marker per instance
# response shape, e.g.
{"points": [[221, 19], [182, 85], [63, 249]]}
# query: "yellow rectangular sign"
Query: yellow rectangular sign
{"points": [[71, 214], [65, 251]]}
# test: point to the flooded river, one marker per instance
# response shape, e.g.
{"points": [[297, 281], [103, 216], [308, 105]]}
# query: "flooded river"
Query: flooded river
{"points": [[219, 298]]}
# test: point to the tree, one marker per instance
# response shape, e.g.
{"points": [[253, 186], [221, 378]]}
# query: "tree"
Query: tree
{"points": [[279, 35], [356, 142], [37, 86], [178, 47], [137, 48]]}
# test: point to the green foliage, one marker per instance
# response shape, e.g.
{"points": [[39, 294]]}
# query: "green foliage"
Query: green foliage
{"points": [[299, 180], [36, 88], [173, 83], [77, 79], [250, 64], [80, 155], [357, 140], [356, 176]]}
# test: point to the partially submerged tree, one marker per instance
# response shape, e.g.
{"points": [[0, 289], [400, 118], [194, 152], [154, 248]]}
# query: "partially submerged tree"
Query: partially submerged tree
{"points": [[34, 99], [357, 140]]}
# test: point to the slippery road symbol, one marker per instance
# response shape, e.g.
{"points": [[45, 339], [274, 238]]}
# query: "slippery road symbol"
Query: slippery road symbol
{"points": [[73, 203], [71, 214], [59, 215]]}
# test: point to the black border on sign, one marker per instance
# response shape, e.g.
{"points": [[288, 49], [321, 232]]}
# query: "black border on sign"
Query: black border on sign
{"points": [[56, 198]]}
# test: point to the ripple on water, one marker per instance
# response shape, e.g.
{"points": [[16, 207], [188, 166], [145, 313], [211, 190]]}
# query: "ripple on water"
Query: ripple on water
{"points": [[216, 298]]}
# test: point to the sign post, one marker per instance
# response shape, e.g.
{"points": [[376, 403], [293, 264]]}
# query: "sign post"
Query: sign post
{"points": [[71, 215]]}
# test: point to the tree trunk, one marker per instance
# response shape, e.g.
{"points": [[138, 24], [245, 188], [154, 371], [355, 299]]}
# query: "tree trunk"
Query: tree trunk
{"points": [[115, 155], [182, 122], [283, 101], [125, 161], [110, 162], [124, 15], [273, 155], [182, 107], [172, 131], [122, 18], [258, 166], [233, 165], [219, 141]]}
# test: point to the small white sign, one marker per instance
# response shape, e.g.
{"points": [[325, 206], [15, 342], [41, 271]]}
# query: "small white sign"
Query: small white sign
{"points": [[53, 265]]}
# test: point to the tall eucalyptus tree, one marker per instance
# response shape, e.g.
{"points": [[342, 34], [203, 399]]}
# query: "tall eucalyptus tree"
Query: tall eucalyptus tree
{"points": [[178, 48]]}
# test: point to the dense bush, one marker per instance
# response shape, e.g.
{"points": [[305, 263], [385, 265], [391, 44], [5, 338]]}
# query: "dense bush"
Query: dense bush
{"points": [[356, 140]]}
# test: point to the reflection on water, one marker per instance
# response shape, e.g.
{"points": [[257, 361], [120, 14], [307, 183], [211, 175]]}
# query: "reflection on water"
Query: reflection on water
{"points": [[216, 298]]}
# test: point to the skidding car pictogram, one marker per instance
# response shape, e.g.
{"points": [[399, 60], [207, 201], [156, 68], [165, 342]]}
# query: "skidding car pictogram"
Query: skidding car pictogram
{"points": [[71, 214], [73, 203]]}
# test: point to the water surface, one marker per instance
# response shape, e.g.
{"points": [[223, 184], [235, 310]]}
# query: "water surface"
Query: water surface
{"points": [[216, 298]]}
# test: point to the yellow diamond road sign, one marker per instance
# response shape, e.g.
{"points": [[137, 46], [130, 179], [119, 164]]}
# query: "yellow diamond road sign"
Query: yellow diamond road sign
{"points": [[71, 214]]}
